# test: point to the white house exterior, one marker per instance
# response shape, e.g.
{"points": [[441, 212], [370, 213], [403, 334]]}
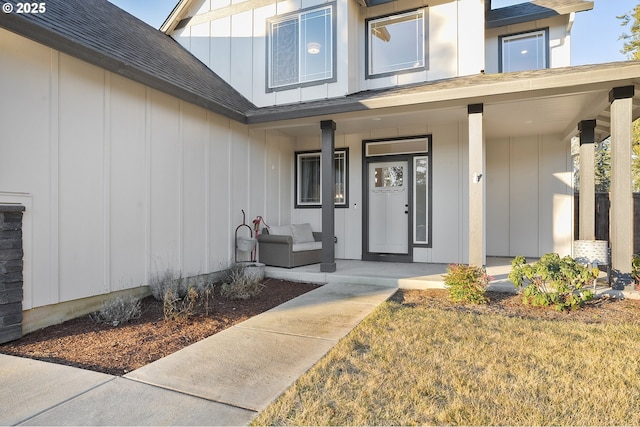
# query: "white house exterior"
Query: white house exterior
{"points": [[131, 157]]}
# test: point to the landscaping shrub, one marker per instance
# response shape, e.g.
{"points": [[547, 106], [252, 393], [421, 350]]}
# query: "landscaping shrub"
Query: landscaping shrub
{"points": [[176, 308], [240, 285], [553, 281], [168, 280], [467, 283], [117, 311]]}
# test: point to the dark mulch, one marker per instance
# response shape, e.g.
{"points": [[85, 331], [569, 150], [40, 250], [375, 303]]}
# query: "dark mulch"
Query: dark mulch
{"points": [[117, 350]]}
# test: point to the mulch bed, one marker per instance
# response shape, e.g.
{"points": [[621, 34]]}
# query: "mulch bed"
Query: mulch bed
{"points": [[117, 350]]}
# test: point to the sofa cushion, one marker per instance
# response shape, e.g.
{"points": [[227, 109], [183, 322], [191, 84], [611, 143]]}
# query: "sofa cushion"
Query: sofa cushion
{"points": [[280, 230], [302, 233], [307, 246]]}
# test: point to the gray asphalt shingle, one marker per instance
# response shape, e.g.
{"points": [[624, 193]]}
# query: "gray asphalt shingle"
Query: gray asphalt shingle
{"points": [[103, 34]]}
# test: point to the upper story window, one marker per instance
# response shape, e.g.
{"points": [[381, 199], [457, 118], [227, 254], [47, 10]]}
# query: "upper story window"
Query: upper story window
{"points": [[396, 43], [524, 51], [300, 48]]}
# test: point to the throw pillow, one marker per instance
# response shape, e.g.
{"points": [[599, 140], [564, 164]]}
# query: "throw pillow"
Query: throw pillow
{"points": [[302, 233]]}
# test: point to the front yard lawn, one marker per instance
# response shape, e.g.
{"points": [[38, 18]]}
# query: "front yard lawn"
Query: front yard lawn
{"points": [[420, 360]]}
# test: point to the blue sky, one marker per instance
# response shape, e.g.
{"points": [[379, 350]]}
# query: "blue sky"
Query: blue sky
{"points": [[595, 35]]}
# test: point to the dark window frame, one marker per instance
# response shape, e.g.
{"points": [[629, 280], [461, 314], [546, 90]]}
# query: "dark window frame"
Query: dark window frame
{"points": [[367, 47], [334, 53], [547, 53], [297, 203]]}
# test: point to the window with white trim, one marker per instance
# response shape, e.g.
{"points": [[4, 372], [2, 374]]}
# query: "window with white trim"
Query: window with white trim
{"points": [[396, 43], [525, 51], [300, 48], [309, 178]]}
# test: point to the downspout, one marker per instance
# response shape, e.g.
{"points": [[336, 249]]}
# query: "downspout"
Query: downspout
{"points": [[572, 19]]}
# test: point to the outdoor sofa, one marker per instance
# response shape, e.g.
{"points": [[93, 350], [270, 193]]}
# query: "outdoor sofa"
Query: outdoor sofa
{"points": [[290, 245]]}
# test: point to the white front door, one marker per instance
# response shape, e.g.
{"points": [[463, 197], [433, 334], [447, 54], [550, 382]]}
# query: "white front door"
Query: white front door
{"points": [[388, 207]]}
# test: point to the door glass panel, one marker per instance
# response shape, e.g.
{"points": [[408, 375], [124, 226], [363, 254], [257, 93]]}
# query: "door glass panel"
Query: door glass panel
{"points": [[407, 146], [391, 176], [421, 188]]}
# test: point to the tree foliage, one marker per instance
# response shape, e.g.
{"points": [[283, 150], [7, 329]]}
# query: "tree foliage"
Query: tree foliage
{"points": [[631, 45]]}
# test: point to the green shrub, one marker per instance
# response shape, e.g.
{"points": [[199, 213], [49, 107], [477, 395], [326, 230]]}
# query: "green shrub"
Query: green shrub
{"points": [[117, 311], [553, 281], [240, 285], [635, 268], [467, 283]]}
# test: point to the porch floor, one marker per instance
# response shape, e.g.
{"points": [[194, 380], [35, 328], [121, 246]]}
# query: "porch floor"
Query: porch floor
{"points": [[391, 274], [413, 275]]}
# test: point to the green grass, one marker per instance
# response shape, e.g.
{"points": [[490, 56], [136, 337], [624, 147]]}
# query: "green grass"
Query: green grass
{"points": [[412, 365]]}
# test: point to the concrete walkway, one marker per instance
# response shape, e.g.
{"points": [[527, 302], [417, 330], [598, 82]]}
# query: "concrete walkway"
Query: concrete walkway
{"points": [[225, 379]]}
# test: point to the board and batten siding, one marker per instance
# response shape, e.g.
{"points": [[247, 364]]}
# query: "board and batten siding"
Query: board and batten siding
{"points": [[122, 182], [223, 29], [529, 194], [529, 197]]}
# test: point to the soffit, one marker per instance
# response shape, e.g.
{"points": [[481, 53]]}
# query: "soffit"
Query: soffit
{"points": [[545, 102], [534, 10]]}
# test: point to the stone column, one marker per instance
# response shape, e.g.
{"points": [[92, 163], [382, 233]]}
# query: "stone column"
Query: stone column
{"points": [[587, 206], [328, 264], [477, 248], [10, 272], [621, 220]]}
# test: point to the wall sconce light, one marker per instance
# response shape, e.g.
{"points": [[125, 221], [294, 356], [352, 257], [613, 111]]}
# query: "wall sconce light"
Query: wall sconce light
{"points": [[313, 48], [477, 177]]}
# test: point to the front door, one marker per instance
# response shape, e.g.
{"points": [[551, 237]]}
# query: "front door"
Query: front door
{"points": [[388, 208]]}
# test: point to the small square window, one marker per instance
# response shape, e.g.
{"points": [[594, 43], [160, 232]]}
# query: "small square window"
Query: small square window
{"points": [[300, 48], [308, 178], [526, 51], [396, 43]]}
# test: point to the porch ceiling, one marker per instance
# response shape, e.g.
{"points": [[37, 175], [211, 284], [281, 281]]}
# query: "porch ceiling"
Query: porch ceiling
{"points": [[518, 104]]}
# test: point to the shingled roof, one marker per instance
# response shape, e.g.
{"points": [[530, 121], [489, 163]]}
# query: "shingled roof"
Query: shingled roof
{"points": [[531, 11], [102, 34]]}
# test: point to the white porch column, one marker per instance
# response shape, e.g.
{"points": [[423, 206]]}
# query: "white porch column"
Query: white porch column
{"points": [[328, 264], [477, 198], [621, 220], [587, 205]]}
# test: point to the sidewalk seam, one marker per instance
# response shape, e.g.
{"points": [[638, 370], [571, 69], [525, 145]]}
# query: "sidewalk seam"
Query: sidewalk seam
{"points": [[69, 399]]}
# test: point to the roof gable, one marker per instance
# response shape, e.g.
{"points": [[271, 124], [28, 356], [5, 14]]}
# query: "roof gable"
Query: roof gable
{"points": [[102, 34], [534, 10]]}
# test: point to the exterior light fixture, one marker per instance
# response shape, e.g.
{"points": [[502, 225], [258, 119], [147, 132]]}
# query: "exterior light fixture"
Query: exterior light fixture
{"points": [[524, 51], [313, 48]]}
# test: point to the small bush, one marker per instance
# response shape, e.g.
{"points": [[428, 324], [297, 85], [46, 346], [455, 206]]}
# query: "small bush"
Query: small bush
{"points": [[117, 311], [553, 281], [467, 283], [166, 281], [178, 308], [240, 285]]}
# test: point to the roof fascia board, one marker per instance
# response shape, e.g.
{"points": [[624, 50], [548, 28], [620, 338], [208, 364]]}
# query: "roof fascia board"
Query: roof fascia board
{"points": [[553, 84], [175, 16], [543, 12], [223, 12], [39, 34]]}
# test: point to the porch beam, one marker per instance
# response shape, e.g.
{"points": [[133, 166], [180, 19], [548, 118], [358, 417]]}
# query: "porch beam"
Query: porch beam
{"points": [[328, 264], [587, 205], [477, 197], [621, 224]]}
